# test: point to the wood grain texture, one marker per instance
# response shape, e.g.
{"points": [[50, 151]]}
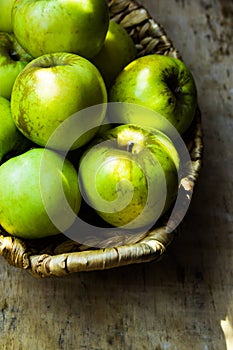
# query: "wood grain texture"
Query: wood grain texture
{"points": [[185, 301]]}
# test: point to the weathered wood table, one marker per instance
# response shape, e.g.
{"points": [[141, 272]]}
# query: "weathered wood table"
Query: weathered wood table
{"points": [[185, 301]]}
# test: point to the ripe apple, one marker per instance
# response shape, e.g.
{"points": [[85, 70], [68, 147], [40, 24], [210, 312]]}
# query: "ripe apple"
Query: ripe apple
{"points": [[13, 59], [23, 187], [75, 26], [51, 89], [10, 137], [130, 177], [5, 15], [163, 84], [118, 50]]}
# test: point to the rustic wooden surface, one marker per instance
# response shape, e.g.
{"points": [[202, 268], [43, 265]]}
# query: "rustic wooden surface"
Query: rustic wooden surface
{"points": [[185, 301]]}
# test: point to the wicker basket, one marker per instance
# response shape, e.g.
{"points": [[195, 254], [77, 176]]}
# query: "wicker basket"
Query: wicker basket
{"points": [[60, 256]]}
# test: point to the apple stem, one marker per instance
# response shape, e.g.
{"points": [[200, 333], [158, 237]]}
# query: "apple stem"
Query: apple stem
{"points": [[130, 146], [177, 90]]}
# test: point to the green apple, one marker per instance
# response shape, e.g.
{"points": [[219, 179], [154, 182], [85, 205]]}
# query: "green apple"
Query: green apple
{"points": [[76, 26], [130, 176], [118, 50], [23, 187], [5, 15], [10, 137], [13, 59], [163, 84], [50, 90]]}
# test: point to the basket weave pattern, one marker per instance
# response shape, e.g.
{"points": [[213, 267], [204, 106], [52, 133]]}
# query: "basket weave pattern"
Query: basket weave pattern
{"points": [[61, 256]]}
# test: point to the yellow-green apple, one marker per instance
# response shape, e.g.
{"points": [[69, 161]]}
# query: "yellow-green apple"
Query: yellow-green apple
{"points": [[13, 59], [5, 15], [10, 137], [163, 84], [24, 184], [50, 90], [76, 26], [118, 50], [130, 176]]}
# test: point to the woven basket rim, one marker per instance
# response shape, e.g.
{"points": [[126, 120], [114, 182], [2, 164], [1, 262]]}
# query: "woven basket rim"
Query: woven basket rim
{"points": [[149, 37]]}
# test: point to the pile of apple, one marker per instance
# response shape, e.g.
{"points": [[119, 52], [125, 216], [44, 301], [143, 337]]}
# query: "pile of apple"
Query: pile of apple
{"points": [[57, 59]]}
